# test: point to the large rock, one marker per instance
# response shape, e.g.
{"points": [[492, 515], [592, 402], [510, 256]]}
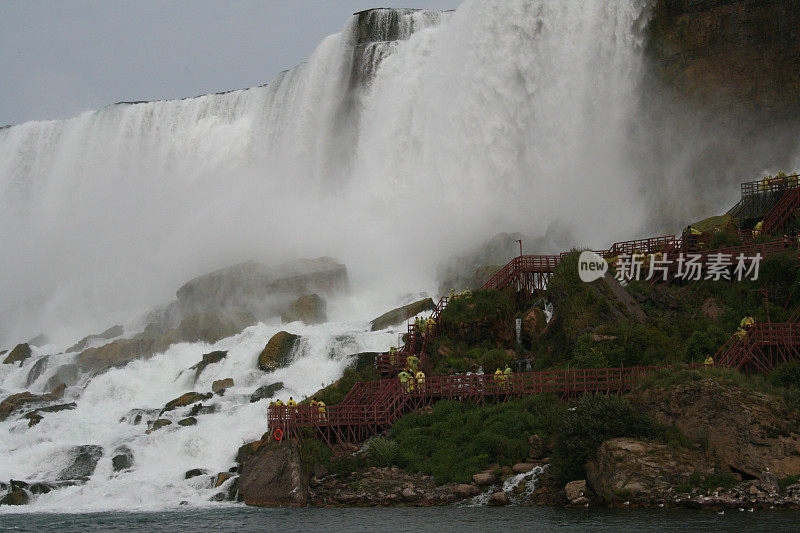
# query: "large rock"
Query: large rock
{"points": [[465, 491], [116, 353], [397, 316], [629, 469], [207, 327], [84, 461], [309, 309], [266, 391], [251, 286], [183, 400], [483, 478], [278, 351], [273, 476], [208, 359], [576, 491], [123, 459], [18, 354], [220, 385], [17, 496], [498, 498], [110, 333], [16, 401], [746, 432]]}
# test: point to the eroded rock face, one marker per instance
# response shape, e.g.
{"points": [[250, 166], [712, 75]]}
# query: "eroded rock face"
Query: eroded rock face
{"points": [[278, 351], [18, 354], [629, 469], [309, 309], [273, 476], [397, 316], [746, 432], [730, 53]]}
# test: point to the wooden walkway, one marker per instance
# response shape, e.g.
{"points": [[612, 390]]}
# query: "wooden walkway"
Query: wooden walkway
{"points": [[372, 407]]}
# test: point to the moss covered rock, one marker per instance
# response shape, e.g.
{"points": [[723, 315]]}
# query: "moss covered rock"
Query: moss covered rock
{"points": [[278, 351]]}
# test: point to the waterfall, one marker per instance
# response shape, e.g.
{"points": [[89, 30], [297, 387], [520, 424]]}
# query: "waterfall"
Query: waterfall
{"points": [[405, 137]]}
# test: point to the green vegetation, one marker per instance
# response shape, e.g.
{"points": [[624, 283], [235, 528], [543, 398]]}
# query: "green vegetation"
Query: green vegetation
{"points": [[594, 419], [363, 370], [708, 484], [457, 440], [788, 480], [481, 305], [382, 451]]}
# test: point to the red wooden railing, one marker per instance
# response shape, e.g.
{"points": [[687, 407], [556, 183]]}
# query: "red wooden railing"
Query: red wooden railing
{"points": [[765, 346], [782, 211], [386, 401]]}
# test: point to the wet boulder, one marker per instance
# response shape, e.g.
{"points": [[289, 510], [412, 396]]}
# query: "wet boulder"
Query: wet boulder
{"points": [[18, 354], [278, 351], [123, 459], [158, 424], [309, 309], [266, 391], [498, 498], [186, 399], [84, 461], [16, 401], [188, 421], [195, 472], [16, 496], [397, 316], [219, 386], [208, 359]]}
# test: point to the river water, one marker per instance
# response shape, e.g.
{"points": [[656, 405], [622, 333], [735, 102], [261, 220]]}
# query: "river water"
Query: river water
{"points": [[463, 520]]}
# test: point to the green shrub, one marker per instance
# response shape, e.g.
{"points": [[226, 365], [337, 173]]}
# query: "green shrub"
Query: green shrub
{"points": [[382, 451], [314, 451], [457, 440], [788, 480], [480, 305], [595, 419], [786, 375]]}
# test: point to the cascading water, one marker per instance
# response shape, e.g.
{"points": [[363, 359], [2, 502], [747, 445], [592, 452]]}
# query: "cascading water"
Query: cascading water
{"points": [[405, 137], [503, 114]]}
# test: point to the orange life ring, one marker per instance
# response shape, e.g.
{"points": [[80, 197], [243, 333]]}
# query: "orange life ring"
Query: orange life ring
{"points": [[278, 434]]}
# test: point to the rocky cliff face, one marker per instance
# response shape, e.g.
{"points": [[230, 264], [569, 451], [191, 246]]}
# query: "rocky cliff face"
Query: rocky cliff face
{"points": [[731, 55], [746, 432]]}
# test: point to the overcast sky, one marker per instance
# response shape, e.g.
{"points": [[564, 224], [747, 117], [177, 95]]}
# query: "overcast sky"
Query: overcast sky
{"points": [[59, 58]]}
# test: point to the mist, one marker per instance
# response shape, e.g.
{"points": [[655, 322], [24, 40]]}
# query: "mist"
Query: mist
{"points": [[506, 115]]}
